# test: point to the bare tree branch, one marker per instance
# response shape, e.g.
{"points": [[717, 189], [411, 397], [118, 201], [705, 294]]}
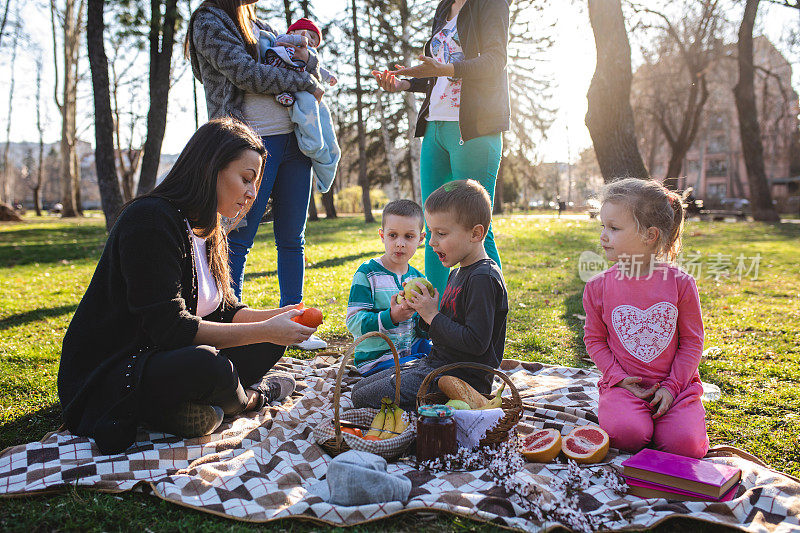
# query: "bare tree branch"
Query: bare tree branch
{"points": [[786, 3]]}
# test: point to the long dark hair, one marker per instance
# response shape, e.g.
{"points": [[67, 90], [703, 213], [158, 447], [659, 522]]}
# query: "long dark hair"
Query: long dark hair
{"points": [[242, 15], [191, 186]]}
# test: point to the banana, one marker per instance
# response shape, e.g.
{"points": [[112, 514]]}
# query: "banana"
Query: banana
{"points": [[497, 401], [377, 423], [388, 424], [399, 422]]}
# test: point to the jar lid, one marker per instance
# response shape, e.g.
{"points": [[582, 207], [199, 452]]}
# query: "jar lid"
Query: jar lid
{"points": [[435, 411]]}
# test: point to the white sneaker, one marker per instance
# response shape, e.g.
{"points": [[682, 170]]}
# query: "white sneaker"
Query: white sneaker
{"points": [[312, 343]]}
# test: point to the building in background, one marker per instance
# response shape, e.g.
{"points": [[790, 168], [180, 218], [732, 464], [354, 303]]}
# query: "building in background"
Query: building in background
{"points": [[23, 162], [714, 166]]}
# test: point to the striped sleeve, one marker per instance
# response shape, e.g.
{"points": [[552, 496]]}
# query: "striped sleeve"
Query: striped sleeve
{"points": [[362, 316]]}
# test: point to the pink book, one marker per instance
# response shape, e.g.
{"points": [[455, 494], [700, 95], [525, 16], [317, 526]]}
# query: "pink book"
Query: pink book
{"points": [[684, 473], [645, 489]]}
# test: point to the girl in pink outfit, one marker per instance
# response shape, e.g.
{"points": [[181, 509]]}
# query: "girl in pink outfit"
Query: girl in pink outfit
{"points": [[644, 329]]}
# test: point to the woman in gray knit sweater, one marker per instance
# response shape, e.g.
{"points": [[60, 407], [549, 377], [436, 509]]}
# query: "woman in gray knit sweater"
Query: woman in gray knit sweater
{"points": [[222, 45]]}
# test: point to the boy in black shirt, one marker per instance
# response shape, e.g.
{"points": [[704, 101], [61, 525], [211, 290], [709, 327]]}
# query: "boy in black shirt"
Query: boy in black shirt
{"points": [[470, 325]]}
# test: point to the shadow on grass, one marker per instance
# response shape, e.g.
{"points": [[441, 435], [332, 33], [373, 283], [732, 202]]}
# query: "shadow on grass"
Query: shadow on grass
{"points": [[24, 246], [339, 261], [35, 315], [30, 426], [789, 230]]}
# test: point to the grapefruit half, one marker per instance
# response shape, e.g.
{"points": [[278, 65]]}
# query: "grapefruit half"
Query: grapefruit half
{"points": [[586, 444], [542, 446]]}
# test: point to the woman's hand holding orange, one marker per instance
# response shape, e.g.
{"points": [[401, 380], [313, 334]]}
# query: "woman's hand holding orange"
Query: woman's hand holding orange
{"points": [[284, 331]]}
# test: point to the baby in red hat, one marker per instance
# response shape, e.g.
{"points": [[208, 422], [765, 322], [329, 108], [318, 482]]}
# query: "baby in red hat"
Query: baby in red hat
{"points": [[279, 51], [311, 116]]}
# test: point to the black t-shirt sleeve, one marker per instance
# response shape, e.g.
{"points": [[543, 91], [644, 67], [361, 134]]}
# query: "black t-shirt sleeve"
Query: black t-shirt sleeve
{"points": [[474, 336]]}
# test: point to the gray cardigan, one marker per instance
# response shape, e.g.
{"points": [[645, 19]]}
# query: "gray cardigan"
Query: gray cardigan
{"points": [[221, 62]]}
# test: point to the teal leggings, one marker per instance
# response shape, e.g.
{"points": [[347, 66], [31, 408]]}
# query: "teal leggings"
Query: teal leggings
{"points": [[445, 158]]}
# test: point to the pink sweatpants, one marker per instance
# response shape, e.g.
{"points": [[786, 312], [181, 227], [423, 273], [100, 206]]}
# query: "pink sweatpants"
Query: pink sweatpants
{"points": [[629, 422]]}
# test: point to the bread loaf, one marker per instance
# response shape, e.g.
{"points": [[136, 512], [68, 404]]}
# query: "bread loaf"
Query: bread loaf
{"points": [[457, 389]]}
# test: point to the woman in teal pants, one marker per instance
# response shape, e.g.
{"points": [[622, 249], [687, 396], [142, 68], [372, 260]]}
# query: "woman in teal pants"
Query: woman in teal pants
{"points": [[466, 108]]}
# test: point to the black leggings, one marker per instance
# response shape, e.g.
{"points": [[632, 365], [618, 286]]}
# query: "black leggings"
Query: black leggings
{"points": [[203, 374]]}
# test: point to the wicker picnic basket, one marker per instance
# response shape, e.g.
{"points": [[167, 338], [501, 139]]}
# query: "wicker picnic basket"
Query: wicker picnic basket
{"points": [[329, 434], [512, 407]]}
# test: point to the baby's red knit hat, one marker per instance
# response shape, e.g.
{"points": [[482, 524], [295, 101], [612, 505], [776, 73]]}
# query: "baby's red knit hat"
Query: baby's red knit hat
{"points": [[306, 24]]}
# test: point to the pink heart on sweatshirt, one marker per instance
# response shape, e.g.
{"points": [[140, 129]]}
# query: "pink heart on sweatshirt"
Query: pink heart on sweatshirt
{"points": [[645, 334]]}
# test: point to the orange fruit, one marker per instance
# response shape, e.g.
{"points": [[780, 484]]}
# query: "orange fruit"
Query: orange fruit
{"points": [[352, 431], [311, 317], [586, 444], [371, 437], [542, 446]]}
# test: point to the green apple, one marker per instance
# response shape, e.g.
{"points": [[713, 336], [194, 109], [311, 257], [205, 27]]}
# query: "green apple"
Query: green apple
{"points": [[417, 284], [458, 404]]}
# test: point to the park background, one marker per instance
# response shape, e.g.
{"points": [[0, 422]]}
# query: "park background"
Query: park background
{"points": [[746, 270], [49, 105]]}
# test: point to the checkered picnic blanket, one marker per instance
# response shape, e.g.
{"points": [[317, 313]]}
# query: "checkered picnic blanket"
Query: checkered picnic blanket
{"points": [[257, 468]]}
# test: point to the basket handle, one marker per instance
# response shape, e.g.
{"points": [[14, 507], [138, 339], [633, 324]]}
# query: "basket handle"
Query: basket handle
{"points": [[426, 383], [337, 391]]}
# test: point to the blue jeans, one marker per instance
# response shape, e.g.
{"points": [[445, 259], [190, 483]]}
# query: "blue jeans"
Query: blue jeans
{"points": [[287, 178], [445, 158], [421, 348]]}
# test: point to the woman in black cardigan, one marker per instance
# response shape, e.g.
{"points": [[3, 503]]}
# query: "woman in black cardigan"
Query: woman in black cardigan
{"points": [[136, 350], [466, 108]]}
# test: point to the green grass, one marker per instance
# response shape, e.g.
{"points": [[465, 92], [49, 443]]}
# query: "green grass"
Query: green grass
{"points": [[45, 265]]}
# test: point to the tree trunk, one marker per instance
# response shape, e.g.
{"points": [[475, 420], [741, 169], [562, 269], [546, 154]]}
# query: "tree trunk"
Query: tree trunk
{"points": [[410, 104], [288, 12], [362, 135], [129, 159], [7, 213], [497, 208], [329, 204], [162, 39], [312, 208], [110, 197], [37, 187], [674, 169], [5, 18], [128, 169], [391, 152], [6, 186], [752, 149], [609, 117], [681, 141], [69, 168]]}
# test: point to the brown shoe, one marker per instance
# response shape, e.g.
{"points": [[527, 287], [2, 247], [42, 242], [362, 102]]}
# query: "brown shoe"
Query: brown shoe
{"points": [[191, 420]]}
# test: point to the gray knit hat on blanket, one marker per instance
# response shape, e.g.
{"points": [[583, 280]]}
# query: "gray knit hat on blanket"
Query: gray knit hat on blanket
{"points": [[359, 478]]}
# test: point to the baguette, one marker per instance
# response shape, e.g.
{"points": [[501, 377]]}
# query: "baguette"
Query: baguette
{"points": [[457, 389]]}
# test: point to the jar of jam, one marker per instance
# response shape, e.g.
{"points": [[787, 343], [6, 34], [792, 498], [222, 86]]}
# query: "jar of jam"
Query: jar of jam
{"points": [[436, 432]]}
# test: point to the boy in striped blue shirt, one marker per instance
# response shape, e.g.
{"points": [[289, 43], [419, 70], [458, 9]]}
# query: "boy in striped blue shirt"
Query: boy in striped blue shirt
{"points": [[373, 305]]}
